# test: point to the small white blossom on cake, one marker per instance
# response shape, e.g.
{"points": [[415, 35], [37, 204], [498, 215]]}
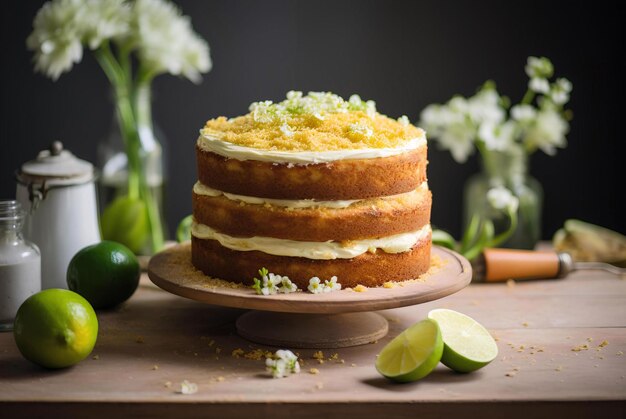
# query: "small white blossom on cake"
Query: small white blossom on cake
{"points": [[332, 285], [287, 286], [315, 285], [283, 364], [270, 284], [314, 104]]}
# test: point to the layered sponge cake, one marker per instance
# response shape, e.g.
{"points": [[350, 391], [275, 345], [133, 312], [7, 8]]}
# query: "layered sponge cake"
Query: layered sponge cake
{"points": [[314, 186]]}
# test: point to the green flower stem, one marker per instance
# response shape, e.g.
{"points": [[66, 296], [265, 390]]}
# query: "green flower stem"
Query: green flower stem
{"points": [[486, 234], [470, 234], [144, 118], [528, 97], [133, 111], [125, 114], [488, 162], [502, 237]]}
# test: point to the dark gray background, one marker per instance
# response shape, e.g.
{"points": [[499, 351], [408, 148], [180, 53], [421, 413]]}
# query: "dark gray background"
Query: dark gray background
{"points": [[402, 54]]}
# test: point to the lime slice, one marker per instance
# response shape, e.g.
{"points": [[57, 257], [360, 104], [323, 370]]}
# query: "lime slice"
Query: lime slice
{"points": [[468, 346], [413, 354]]}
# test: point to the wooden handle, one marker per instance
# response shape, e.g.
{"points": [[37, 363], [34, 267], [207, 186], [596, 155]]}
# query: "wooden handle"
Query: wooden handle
{"points": [[503, 264]]}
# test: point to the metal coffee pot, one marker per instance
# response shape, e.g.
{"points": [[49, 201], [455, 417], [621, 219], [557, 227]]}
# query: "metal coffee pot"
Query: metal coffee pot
{"points": [[58, 191]]}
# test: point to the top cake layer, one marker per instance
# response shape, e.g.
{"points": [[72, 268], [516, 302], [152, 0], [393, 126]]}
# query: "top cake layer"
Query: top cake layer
{"points": [[317, 122]]}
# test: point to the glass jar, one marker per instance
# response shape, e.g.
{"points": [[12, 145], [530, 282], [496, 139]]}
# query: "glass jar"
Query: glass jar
{"points": [[508, 169], [20, 264], [113, 163]]}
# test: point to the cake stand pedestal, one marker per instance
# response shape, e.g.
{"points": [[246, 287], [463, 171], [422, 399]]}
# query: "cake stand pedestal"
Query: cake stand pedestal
{"points": [[303, 320]]}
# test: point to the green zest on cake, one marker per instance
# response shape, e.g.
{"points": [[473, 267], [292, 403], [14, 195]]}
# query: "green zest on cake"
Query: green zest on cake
{"points": [[314, 186]]}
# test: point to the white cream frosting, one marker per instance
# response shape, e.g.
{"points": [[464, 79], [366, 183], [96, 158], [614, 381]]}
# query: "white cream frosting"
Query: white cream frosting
{"points": [[234, 151], [397, 243], [201, 189]]}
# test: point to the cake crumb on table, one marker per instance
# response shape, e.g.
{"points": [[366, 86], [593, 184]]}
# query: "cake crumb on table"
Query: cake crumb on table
{"points": [[314, 371]]}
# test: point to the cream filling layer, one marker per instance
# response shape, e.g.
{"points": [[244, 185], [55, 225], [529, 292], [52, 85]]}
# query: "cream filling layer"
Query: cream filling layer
{"points": [[328, 250], [205, 190], [234, 151]]}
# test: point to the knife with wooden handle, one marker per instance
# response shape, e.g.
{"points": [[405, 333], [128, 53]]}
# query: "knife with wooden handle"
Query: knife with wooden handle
{"points": [[498, 265]]}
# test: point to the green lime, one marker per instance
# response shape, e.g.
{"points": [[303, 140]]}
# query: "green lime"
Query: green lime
{"points": [[106, 274], [413, 354], [183, 232], [125, 220], [55, 328], [468, 346]]}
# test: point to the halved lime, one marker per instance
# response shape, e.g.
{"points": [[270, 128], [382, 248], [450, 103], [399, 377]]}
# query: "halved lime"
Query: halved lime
{"points": [[413, 354], [468, 346]]}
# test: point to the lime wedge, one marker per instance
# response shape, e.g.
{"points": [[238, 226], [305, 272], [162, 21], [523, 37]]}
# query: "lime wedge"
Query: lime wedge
{"points": [[413, 354], [468, 346]]}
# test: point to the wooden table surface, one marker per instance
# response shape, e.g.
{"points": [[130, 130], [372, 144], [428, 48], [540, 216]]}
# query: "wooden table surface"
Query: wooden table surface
{"points": [[561, 342]]}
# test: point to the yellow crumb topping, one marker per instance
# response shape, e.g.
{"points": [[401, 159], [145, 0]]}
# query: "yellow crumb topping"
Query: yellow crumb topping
{"points": [[316, 122], [360, 288]]}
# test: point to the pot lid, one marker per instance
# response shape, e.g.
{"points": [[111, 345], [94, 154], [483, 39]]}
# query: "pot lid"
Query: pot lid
{"points": [[58, 166]]}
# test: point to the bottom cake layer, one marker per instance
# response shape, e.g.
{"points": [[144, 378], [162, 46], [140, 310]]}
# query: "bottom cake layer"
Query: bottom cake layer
{"points": [[369, 269]]}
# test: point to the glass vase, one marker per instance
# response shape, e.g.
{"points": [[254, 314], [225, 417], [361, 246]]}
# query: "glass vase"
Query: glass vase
{"points": [[508, 169], [150, 148]]}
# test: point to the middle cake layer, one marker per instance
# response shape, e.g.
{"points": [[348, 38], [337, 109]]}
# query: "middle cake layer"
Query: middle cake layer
{"points": [[360, 219]]}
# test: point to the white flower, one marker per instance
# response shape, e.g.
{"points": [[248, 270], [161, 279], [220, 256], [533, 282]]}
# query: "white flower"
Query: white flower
{"points": [[523, 113], [187, 387], [404, 120], [497, 136], [332, 285], [548, 132], [459, 140], [166, 42], [57, 37], [287, 286], [485, 106], [315, 104], [539, 67], [314, 286], [501, 198], [278, 367], [284, 363], [559, 92], [270, 284], [450, 127], [539, 85], [164, 39], [102, 20]]}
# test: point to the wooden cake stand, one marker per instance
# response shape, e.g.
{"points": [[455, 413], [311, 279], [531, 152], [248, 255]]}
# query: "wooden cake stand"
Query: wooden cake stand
{"points": [[304, 320]]}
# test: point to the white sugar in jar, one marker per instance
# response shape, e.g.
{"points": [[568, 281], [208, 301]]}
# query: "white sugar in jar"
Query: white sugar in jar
{"points": [[20, 264]]}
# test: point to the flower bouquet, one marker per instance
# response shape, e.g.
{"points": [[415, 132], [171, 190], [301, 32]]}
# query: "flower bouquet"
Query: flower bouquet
{"points": [[503, 203], [133, 41]]}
